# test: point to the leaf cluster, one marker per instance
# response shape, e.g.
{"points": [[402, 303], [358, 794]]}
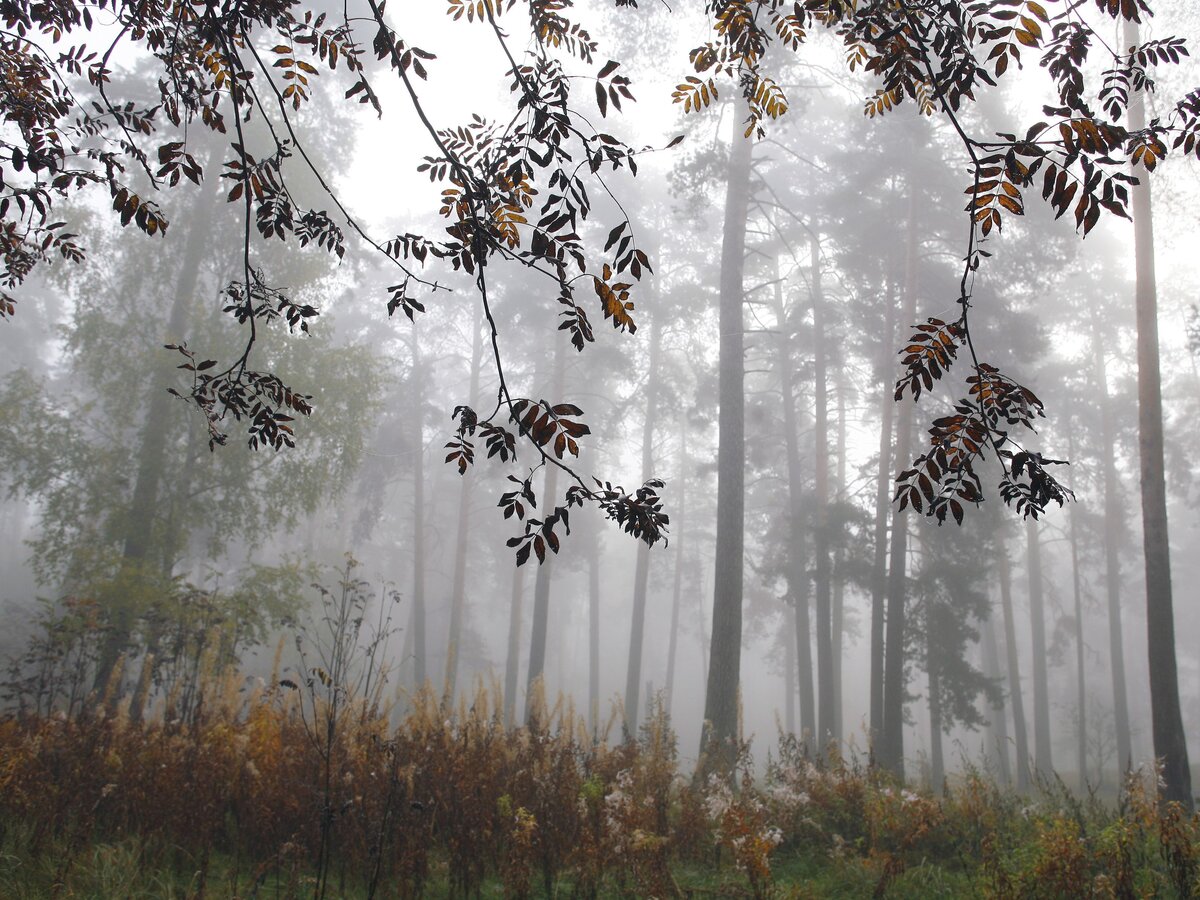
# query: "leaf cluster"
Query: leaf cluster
{"points": [[940, 57]]}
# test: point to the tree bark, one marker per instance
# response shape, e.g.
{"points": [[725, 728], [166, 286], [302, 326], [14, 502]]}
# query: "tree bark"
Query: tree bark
{"points": [[642, 567], [789, 669], [895, 689], [1014, 670], [721, 697], [937, 764], [594, 630], [704, 638], [821, 568], [420, 676], [838, 575], [1042, 760], [512, 665], [459, 585], [797, 573], [1112, 564], [1080, 672], [883, 496], [1170, 744], [998, 726], [680, 519], [541, 587]]}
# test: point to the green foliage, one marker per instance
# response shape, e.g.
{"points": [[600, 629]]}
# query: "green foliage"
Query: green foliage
{"points": [[135, 513], [183, 634], [74, 452], [513, 189]]}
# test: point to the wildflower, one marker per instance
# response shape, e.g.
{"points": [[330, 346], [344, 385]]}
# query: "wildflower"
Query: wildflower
{"points": [[838, 850]]}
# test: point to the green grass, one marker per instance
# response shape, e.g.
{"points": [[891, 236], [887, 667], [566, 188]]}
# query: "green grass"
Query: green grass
{"points": [[135, 869]]}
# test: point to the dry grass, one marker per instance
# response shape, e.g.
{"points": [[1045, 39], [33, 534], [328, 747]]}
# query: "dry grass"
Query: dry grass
{"points": [[313, 791]]}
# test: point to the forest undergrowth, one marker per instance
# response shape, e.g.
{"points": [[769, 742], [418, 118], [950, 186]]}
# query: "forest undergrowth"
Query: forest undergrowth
{"points": [[303, 790]]}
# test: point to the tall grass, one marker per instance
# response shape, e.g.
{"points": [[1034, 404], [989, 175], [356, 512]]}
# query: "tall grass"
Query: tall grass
{"points": [[242, 801], [312, 784]]}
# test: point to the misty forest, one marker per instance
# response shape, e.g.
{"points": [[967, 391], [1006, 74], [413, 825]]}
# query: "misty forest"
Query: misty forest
{"points": [[611, 448]]}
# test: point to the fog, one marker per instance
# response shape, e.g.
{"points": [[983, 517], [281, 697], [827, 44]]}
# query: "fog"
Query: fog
{"points": [[134, 543]]}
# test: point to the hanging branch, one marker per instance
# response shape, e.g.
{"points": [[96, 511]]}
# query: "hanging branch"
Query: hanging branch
{"points": [[520, 193], [938, 54]]}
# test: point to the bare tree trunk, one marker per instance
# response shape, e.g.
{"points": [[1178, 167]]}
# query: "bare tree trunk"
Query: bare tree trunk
{"points": [[420, 676], [512, 665], [642, 568], [789, 669], [1037, 616], [406, 656], [821, 569], [895, 689], [594, 630], [459, 586], [1080, 672], [1170, 743], [891, 745], [1014, 670], [721, 696], [680, 519], [1112, 564], [998, 726], [937, 764], [704, 638], [541, 587], [797, 574], [839, 579], [883, 496]]}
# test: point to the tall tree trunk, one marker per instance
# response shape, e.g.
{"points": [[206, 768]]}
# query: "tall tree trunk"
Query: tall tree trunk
{"points": [[839, 579], [802, 623], [721, 696], [459, 586], [642, 568], [891, 744], [1112, 563], [152, 447], [541, 587], [1037, 618], [173, 540], [420, 675], [404, 702], [512, 664], [883, 496], [797, 571], [821, 568], [789, 669], [1014, 670], [1080, 672], [680, 518], [937, 764], [594, 629], [1170, 743], [997, 725]]}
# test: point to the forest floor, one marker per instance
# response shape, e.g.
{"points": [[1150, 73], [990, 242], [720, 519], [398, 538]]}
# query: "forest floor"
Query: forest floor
{"points": [[298, 792], [119, 870]]}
